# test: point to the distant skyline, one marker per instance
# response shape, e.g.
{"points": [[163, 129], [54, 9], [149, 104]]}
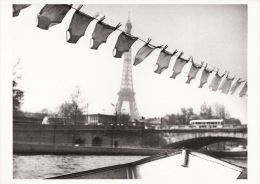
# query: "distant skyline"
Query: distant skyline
{"points": [[215, 34]]}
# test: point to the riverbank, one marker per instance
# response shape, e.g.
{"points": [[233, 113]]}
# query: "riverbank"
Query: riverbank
{"points": [[56, 149]]}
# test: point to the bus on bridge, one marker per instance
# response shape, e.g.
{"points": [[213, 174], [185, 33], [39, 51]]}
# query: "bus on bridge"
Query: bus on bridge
{"points": [[207, 123]]}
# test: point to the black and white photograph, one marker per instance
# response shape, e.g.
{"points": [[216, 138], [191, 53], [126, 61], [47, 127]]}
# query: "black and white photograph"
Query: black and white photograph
{"points": [[130, 90]]}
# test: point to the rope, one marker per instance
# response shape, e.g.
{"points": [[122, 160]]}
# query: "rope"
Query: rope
{"points": [[216, 70]]}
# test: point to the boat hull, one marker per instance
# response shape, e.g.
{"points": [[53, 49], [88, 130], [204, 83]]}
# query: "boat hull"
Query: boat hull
{"points": [[177, 165]]}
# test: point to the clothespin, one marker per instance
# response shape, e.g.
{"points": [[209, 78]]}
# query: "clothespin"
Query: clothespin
{"points": [[118, 25], [190, 59], [227, 74], [79, 7], [164, 47], [224, 73], [175, 52], [180, 54], [148, 41], [96, 15], [102, 18]]}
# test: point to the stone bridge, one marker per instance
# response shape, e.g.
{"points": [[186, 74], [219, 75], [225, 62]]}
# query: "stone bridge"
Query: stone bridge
{"points": [[197, 138]]}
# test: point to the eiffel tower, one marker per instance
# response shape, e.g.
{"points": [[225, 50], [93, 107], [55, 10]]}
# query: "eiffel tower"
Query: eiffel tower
{"points": [[126, 93]]}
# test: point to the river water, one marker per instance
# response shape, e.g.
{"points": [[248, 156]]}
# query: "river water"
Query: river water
{"points": [[44, 166]]}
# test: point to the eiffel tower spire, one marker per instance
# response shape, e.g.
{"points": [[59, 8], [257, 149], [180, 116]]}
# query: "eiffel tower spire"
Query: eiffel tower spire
{"points": [[126, 93]]}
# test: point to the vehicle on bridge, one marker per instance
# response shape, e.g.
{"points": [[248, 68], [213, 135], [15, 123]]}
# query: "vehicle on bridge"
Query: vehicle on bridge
{"points": [[51, 120], [207, 123]]}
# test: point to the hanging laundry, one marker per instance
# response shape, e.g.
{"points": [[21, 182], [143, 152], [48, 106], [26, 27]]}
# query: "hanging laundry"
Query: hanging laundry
{"points": [[235, 86], [52, 14], [243, 91], [205, 75], [193, 71], [101, 33], [163, 60], [179, 64], [216, 81], [123, 44], [226, 84], [144, 52], [78, 26], [18, 7]]}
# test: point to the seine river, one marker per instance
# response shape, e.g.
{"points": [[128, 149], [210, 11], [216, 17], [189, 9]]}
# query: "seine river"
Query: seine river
{"points": [[44, 166]]}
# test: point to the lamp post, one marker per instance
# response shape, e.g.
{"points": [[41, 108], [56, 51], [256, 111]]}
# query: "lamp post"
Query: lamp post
{"points": [[54, 131], [113, 126], [115, 122], [87, 113]]}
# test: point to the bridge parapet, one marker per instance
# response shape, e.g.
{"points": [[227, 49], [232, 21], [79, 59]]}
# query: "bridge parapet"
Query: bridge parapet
{"points": [[242, 129]]}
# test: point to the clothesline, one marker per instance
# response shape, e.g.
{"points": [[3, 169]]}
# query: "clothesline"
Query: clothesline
{"points": [[216, 70], [55, 13], [117, 28]]}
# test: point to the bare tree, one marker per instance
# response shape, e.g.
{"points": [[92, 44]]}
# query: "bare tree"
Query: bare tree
{"points": [[65, 109], [187, 114], [183, 118], [206, 111], [46, 111], [220, 111], [74, 108], [18, 94]]}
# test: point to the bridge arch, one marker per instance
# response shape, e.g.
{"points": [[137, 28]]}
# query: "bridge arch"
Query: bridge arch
{"points": [[96, 141], [196, 139], [199, 142]]}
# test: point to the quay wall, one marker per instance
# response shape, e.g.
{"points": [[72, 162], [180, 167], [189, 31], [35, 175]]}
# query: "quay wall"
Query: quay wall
{"points": [[87, 136], [122, 136], [28, 149]]}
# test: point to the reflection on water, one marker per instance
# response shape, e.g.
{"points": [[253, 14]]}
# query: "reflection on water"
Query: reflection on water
{"points": [[44, 166]]}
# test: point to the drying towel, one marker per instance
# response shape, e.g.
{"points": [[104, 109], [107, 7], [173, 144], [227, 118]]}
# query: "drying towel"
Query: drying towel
{"points": [[144, 52], [123, 44], [235, 86], [163, 60], [18, 7], [193, 71], [226, 84], [101, 33], [179, 64], [205, 75], [78, 26], [52, 14], [243, 91], [216, 81]]}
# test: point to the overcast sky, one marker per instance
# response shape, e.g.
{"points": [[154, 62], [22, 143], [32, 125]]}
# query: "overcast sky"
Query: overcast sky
{"points": [[51, 67]]}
